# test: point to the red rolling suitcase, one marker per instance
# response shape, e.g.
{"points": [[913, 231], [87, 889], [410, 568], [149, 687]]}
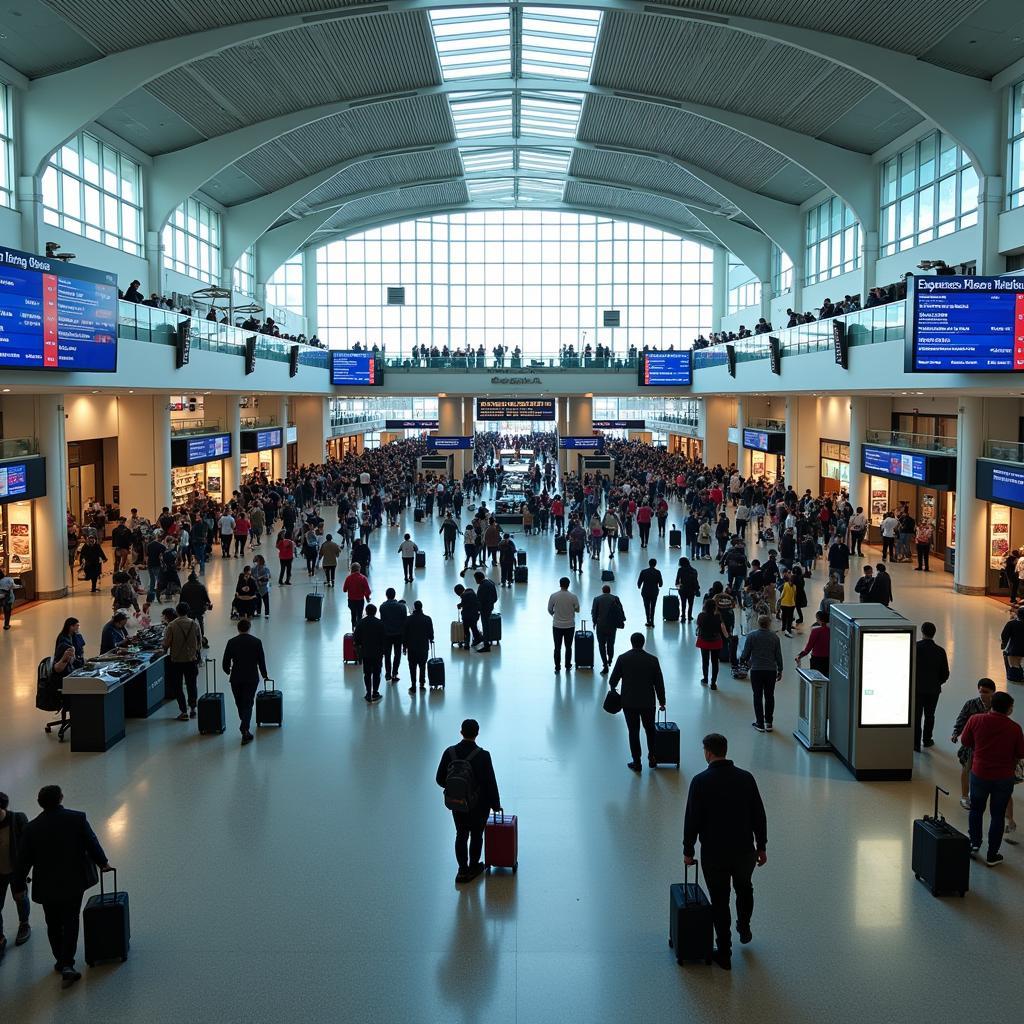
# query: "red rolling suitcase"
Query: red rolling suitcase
{"points": [[349, 655], [501, 841]]}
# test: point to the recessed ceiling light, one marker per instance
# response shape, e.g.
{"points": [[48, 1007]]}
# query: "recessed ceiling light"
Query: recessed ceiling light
{"points": [[95, 391], [7, 391]]}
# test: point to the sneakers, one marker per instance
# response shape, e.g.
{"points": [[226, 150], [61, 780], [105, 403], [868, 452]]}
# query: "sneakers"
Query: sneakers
{"points": [[183, 717], [191, 712], [767, 726], [723, 959], [714, 686], [635, 766], [247, 737], [68, 976], [992, 859], [965, 803], [375, 697], [24, 931], [744, 934], [755, 725]]}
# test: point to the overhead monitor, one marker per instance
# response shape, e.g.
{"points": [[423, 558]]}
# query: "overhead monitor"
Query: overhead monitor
{"points": [[885, 678], [591, 443], [56, 315], [489, 409], [1000, 483], [410, 424], [190, 451], [619, 424], [356, 369], [262, 440], [20, 481], [966, 325], [756, 440], [889, 462], [666, 369], [441, 443]]}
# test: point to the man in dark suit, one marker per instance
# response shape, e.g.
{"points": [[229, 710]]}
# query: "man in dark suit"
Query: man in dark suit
{"points": [[469, 612], [416, 640], [932, 672], [487, 596], [649, 582], [881, 587], [12, 825], [609, 616], [369, 640], [724, 810], [61, 851], [470, 822], [244, 663], [642, 682]]}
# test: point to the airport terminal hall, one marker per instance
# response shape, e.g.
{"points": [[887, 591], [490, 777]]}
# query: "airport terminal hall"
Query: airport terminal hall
{"points": [[511, 512]]}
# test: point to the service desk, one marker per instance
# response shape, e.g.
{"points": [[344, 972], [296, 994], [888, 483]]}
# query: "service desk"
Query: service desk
{"points": [[144, 692], [95, 702]]}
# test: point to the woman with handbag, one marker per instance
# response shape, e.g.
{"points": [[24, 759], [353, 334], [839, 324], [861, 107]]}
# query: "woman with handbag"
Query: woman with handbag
{"points": [[711, 637]]}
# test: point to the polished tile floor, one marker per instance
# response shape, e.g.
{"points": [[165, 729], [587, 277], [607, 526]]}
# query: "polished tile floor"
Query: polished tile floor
{"points": [[309, 876]]}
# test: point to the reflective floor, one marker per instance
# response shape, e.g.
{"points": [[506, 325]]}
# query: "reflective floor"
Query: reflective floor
{"points": [[310, 875]]}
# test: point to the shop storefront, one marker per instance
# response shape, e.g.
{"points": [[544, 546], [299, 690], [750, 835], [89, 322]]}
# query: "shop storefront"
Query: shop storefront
{"points": [[257, 449], [1001, 484], [348, 444], [292, 438], [923, 483], [835, 467], [197, 466], [767, 453], [21, 481]]}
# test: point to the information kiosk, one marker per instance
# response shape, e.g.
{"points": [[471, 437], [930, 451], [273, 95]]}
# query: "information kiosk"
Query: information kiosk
{"points": [[871, 690]]}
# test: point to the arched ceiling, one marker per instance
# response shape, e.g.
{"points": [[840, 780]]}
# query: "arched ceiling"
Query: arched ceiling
{"points": [[711, 114]]}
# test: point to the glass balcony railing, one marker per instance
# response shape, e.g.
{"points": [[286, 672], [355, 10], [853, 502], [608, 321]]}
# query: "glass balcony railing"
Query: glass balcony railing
{"points": [[194, 425], [913, 442], [18, 447], [865, 327], [527, 363], [674, 417], [1004, 451], [778, 426], [257, 422]]}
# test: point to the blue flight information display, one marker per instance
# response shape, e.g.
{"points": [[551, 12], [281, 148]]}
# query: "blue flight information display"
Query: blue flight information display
{"points": [[967, 325], [267, 439], [410, 424], [355, 369], [13, 480], [666, 369], [1007, 485], [56, 315], [756, 440], [581, 443], [438, 443], [207, 449], [892, 463]]}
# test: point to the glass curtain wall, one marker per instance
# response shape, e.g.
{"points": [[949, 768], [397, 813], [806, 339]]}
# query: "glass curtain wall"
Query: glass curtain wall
{"points": [[533, 279]]}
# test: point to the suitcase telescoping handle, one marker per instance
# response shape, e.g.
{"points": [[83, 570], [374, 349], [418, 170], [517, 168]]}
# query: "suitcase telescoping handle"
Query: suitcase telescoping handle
{"points": [[662, 716], [686, 879], [207, 663], [938, 790], [269, 684], [113, 892]]}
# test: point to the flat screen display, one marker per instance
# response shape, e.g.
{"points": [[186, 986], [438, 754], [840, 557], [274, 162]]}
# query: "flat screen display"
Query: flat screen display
{"points": [[666, 369], [410, 424], [885, 679], [581, 443], [56, 315], [489, 409], [619, 424], [207, 449], [267, 439], [1000, 483], [887, 462], [968, 325], [439, 443], [355, 369], [13, 480], [757, 440]]}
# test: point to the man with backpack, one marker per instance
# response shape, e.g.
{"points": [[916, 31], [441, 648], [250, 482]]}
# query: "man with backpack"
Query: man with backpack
{"points": [[466, 775]]}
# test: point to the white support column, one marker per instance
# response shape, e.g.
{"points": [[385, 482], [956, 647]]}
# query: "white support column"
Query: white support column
{"points": [[990, 205], [49, 514], [858, 427], [719, 287], [310, 300], [30, 206], [718, 415], [969, 568], [450, 424], [233, 426], [155, 259], [313, 427], [144, 453], [792, 439], [281, 413]]}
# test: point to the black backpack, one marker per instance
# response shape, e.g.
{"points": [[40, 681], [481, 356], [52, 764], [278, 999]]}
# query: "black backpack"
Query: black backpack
{"points": [[461, 789]]}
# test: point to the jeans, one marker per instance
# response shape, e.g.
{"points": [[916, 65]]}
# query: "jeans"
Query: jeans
{"points": [[650, 604], [285, 575], [417, 667], [329, 571], [762, 686], [1000, 791], [469, 838], [606, 646], [903, 545], [199, 554], [924, 707], [180, 676], [711, 657], [686, 601], [245, 697], [20, 902], [154, 578], [720, 874], [563, 636], [634, 716], [888, 548], [787, 612], [856, 542], [240, 544], [62, 920], [575, 559], [392, 656]]}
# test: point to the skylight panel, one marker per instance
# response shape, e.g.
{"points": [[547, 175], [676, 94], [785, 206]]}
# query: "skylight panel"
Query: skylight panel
{"points": [[481, 113], [540, 190], [500, 190], [559, 42], [550, 113], [488, 160], [473, 41], [556, 160]]}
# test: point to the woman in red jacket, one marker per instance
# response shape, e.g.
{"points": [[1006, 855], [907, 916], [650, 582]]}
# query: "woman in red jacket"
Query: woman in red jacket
{"points": [[285, 553], [357, 586]]}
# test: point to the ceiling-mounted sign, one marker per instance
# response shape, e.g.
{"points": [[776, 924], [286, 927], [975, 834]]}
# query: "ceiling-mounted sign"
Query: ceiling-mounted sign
{"points": [[490, 409]]}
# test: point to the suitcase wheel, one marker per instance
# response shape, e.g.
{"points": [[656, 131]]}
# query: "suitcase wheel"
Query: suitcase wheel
{"points": [[917, 876], [515, 868]]}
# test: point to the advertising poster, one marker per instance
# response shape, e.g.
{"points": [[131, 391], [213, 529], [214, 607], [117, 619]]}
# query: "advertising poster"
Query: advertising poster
{"points": [[19, 521], [998, 536]]}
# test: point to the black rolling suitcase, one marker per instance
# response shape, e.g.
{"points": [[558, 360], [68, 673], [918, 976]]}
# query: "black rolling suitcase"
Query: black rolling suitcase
{"points": [[1014, 673], [623, 542], [521, 558], [435, 670], [522, 574], [269, 706], [666, 741], [691, 932], [211, 705], [941, 855], [561, 544], [675, 538], [495, 630], [670, 607], [584, 646], [314, 604], [106, 924], [733, 647], [421, 559], [417, 515]]}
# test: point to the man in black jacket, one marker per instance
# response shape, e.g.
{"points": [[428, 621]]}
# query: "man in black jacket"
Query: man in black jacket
{"points": [[932, 672], [881, 588], [469, 612], [416, 640], [487, 596], [649, 582], [12, 824], [393, 614], [370, 643], [724, 810], [609, 616], [244, 663], [642, 682], [470, 823], [61, 852]]}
